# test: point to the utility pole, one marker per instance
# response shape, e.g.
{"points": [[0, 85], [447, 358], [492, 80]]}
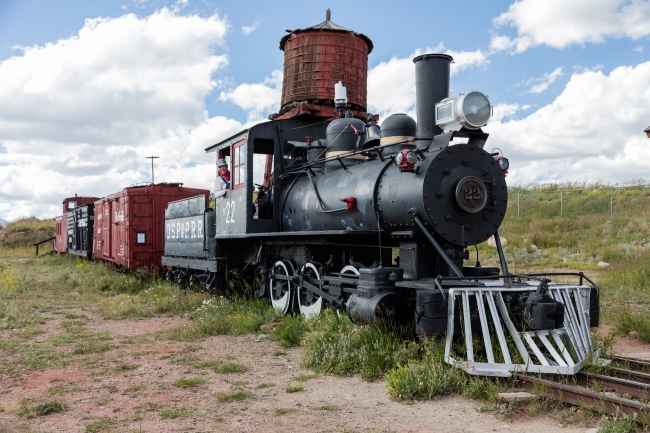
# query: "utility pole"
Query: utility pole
{"points": [[152, 158]]}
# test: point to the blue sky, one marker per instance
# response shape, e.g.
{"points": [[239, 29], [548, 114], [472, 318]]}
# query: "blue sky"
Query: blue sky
{"points": [[91, 87]]}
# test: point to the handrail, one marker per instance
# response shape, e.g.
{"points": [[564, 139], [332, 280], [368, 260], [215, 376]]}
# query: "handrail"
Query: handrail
{"points": [[46, 240]]}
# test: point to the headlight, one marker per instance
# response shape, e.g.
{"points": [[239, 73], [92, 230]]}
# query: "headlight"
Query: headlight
{"points": [[470, 110], [504, 164], [411, 157], [399, 158]]}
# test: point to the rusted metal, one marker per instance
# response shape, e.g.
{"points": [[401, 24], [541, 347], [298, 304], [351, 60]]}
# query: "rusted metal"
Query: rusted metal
{"points": [[638, 364], [599, 401], [637, 376], [614, 384], [53, 238], [317, 57], [129, 224]]}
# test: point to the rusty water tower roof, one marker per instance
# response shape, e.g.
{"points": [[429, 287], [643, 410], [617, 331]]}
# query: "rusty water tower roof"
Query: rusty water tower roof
{"points": [[327, 25]]}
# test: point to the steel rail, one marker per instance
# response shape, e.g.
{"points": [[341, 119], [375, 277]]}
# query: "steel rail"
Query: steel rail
{"points": [[641, 364], [615, 384], [600, 401], [637, 376]]}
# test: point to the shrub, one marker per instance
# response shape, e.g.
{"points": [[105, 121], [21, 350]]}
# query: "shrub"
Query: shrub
{"points": [[290, 331]]}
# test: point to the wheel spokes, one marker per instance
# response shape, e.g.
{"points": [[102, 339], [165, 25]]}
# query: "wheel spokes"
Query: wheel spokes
{"points": [[310, 303], [280, 290]]}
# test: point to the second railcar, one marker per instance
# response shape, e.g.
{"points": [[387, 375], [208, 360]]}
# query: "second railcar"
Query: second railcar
{"points": [[80, 222]]}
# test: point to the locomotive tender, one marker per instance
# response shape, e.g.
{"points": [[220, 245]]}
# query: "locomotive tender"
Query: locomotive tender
{"points": [[337, 194]]}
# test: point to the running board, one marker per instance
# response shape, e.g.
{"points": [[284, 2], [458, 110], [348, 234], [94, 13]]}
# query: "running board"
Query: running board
{"points": [[559, 351]]}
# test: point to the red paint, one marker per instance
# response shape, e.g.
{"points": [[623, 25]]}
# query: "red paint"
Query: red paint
{"points": [[80, 201], [61, 240], [497, 158], [405, 166], [350, 203], [316, 59], [120, 217]]}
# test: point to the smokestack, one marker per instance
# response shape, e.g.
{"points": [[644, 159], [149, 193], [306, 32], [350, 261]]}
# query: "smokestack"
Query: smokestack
{"points": [[431, 87]]}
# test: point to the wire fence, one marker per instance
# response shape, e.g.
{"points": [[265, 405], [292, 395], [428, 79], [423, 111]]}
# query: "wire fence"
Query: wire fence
{"points": [[559, 201]]}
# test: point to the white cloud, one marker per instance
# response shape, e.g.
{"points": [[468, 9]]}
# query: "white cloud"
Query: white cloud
{"points": [[259, 99], [638, 49], [593, 130], [560, 23], [86, 110], [538, 85], [391, 84], [247, 30]]}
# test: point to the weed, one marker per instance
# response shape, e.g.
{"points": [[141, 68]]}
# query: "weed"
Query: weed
{"points": [[192, 382], [230, 368], [335, 345], [279, 353], [235, 396], [126, 367], [84, 349], [297, 388], [208, 364], [41, 409], [425, 378], [103, 425], [132, 389], [60, 389], [236, 382], [328, 407], [286, 410], [178, 412], [305, 377], [265, 385], [290, 331], [618, 425]]}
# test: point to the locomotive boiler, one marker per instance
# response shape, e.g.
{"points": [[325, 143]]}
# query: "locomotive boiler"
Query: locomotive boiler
{"points": [[327, 208]]}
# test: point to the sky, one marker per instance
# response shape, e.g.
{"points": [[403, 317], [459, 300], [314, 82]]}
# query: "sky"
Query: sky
{"points": [[89, 89]]}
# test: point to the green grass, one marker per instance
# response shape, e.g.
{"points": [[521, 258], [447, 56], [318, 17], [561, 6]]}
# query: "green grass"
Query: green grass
{"points": [[103, 425], [286, 410], [40, 409], [84, 349], [290, 332], [190, 382], [618, 425], [265, 385], [235, 396], [328, 407], [294, 388], [230, 367], [279, 353], [335, 345], [178, 412], [60, 389], [305, 377]]}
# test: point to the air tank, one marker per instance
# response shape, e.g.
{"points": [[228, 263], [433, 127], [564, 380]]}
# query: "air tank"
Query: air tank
{"points": [[317, 57]]}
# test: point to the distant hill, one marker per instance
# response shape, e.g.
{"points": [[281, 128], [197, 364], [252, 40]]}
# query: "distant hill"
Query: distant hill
{"points": [[3, 222]]}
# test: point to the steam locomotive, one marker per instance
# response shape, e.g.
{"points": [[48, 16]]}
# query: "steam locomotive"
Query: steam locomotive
{"points": [[322, 198]]}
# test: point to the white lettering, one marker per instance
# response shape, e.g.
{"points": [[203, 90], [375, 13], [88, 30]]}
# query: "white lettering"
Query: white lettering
{"points": [[178, 230], [187, 229], [193, 229], [200, 224], [166, 231]]}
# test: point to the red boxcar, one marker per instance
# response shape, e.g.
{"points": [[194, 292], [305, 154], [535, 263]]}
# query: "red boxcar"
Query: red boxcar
{"points": [[61, 241], [129, 225]]}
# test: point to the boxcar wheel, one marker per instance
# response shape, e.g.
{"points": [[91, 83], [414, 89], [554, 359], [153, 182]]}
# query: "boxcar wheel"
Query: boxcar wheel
{"points": [[280, 289], [310, 303]]}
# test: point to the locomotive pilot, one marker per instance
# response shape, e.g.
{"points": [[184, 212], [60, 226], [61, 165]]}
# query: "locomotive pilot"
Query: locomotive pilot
{"points": [[222, 183]]}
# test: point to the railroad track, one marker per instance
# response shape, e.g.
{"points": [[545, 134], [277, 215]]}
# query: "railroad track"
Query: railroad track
{"points": [[625, 391]]}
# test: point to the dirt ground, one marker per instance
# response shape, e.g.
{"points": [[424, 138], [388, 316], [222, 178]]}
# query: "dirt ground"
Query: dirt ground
{"points": [[128, 388]]}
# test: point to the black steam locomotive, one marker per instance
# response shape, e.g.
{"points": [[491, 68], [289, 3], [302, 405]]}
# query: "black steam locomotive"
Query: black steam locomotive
{"points": [[378, 221]]}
